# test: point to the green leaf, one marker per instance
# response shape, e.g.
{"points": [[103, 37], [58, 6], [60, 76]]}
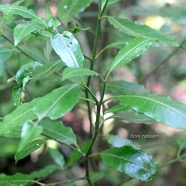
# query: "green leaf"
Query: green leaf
{"points": [[53, 105], [135, 163], [15, 180], [31, 147], [47, 69], [57, 157], [22, 11], [131, 51], [30, 131], [16, 95], [57, 103], [24, 74], [68, 8], [44, 172], [124, 87], [57, 131], [5, 54], [133, 117], [77, 72], [160, 108], [68, 49], [22, 30], [117, 108], [138, 30], [180, 140]]}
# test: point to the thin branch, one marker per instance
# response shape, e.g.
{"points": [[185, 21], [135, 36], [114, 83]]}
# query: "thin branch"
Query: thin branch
{"points": [[166, 60]]}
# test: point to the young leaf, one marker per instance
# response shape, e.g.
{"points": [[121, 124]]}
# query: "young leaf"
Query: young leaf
{"points": [[137, 30], [15, 180], [77, 72], [22, 30], [160, 108], [57, 131], [57, 157], [124, 87], [128, 160], [131, 51], [68, 8], [31, 147], [30, 131], [16, 95], [68, 49], [22, 11]]}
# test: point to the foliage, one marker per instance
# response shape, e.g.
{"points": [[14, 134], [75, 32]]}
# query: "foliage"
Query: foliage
{"points": [[53, 76]]}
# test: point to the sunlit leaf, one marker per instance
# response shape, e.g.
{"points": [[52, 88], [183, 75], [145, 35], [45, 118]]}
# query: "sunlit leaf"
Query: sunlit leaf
{"points": [[131, 51], [77, 72], [160, 108], [68, 8], [137, 30], [128, 160], [68, 49]]}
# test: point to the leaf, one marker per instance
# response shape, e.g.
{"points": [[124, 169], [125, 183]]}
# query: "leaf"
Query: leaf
{"points": [[17, 179], [22, 11], [135, 163], [31, 147], [68, 8], [77, 72], [68, 49], [47, 69], [16, 94], [131, 51], [138, 30], [57, 131], [57, 157], [180, 140], [5, 54], [30, 131], [124, 87], [133, 117], [58, 102], [53, 105], [44, 172], [22, 30], [160, 108], [117, 108], [24, 74]]}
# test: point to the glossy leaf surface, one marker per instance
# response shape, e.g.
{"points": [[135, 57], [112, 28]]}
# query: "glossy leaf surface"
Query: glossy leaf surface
{"points": [[22, 30], [124, 87], [131, 51], [77, 72], [68, 8], [68, 49], [160, 108], [138, 30], [128, 160], [57, 131]]}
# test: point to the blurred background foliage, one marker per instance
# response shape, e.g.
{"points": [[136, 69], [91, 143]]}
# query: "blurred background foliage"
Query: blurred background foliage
{"points": [[161, 70]]}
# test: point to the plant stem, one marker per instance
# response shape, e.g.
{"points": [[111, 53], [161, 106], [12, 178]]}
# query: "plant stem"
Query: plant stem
{"points": [[163, 62], [18, 48]]}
